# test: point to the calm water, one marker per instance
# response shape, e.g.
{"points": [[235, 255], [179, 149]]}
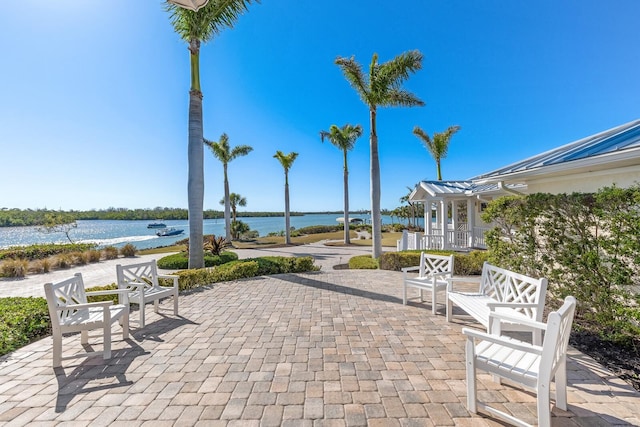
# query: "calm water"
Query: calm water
{"points": [[118, 233]]}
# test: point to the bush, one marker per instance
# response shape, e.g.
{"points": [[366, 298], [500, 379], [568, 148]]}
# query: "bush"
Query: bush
{"points": [[80, 258], [363, 262], [128, 250], [64, 261], [191, 279], [97, 298], [464, 264], [317, 229], [33, 252], [93, 255], [41, 266], [180, 261], [15, 268], [22, 321], [110, 252], [280, 265]]}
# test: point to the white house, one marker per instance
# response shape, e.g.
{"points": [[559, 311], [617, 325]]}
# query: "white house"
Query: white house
{"points": [[607, 158]]}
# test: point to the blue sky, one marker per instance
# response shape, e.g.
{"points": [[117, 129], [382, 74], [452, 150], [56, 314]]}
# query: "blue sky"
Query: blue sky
{"points": [[94, 95]]}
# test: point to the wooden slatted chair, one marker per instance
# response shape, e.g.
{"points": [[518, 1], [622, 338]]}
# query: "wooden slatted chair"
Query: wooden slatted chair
{"points": [[141, 280], [531, 366], [70, 312], [433, 274]]}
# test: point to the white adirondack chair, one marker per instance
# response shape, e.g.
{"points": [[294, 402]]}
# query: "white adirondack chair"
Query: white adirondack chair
{"points": [[70, 312], [433, 274], [141, 280], [531, 366]]}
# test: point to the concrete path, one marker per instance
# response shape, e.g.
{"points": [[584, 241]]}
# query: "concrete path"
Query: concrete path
{"points": [[332, 348]]}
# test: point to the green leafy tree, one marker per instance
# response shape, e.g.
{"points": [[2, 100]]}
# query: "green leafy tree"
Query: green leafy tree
{"points": [[286, 160], [223, 152], [438, 146], [196, 28], [344, 138], [235, 200], [58, 223], [238, 228], [382, 88]]}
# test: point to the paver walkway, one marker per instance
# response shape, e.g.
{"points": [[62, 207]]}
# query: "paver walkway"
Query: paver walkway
{"points": [[334, 348]]}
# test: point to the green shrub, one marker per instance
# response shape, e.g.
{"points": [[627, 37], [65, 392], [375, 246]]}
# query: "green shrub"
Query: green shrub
{"points": [[180, 261], [97, 298], [15, 268], [33, 252], [93, 255], [280, 265], [363, 262], [317, 229], [80, 258], [22, 321], [110, 252], [464, 264], [128, 250], [191, 279]]}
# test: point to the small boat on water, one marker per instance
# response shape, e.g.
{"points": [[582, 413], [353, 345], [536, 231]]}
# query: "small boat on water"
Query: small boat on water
{"points": [[351, 220], [157, 225], [169, 232]]}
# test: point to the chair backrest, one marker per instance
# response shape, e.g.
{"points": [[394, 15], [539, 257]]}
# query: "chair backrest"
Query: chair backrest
{"points": [[143, 272], [556, 338], [507, 286], [64, 294], [433, 264]]}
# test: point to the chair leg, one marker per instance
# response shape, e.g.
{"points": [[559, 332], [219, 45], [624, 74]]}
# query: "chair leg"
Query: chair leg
{"points": [[57, 350], [536, 337], [404, 294], [84, 337], [175, 304], [561, 385], [544, 412], [156, 305], [472, 388], [449, 310], [125, 325], [421, 295], [107, 341], [433, 300], [142, 315]]}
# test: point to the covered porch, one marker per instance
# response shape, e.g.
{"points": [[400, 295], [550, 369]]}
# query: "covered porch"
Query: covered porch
{"points": [[452, 215]]}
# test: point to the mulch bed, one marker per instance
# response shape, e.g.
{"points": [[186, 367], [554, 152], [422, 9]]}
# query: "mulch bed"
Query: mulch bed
{"points": [[623, 362]]}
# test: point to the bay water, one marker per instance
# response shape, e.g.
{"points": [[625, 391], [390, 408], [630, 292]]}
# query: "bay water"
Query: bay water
{"points": [[118, 233]]}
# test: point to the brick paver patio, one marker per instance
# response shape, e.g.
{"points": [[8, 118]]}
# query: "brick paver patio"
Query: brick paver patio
{"points": [[334, 348]]}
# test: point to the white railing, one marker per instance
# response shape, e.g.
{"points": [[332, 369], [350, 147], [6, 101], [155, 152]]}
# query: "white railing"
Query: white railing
{"points": [[455, 239]]}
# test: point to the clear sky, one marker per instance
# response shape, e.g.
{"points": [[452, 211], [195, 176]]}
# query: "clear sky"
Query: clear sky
{"points": [[94, 95]]}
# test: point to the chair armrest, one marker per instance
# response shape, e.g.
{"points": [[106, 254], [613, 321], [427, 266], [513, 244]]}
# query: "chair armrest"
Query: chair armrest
{"points": [[407, 269], [517, 319], [452, 280], [170, 276], [85, 305], [498, 339], [122, 292]]}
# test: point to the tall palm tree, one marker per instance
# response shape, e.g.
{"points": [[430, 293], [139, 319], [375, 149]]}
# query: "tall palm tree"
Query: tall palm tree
{"points": [[438, 145], [223, 152], [235, 200], [196, 28], [382, 88], [345, 139], [286, 160]]}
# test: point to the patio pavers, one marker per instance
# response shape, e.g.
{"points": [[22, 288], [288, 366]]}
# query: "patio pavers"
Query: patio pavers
{"points": [[319, 349]]}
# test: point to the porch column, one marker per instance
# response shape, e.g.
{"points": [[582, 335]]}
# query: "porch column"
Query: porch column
{"points": [[471, 221], [454, 214], [428, 210], [444, 214]]}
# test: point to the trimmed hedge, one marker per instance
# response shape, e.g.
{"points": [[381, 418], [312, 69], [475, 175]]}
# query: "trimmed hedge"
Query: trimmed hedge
{"points": [[363, 262], [22, 321], [180, 261], [464, 264]]}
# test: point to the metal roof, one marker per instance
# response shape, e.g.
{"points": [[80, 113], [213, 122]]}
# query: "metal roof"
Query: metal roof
{"points": [[459, 188], [624, 137]]}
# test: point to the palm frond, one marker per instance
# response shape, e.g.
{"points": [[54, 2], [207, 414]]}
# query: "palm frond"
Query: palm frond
{"points": [[353, 73], [286, 160], [240, 150], [426, 140], [400, 98]]}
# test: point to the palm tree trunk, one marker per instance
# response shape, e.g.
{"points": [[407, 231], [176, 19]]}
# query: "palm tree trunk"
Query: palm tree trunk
{"points": [[347, 241], [227, 206], [376, 217], [438, 170], [287, 237], [195, 186]]}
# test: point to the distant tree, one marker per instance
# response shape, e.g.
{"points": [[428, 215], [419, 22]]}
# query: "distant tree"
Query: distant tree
{"points": [[196, 28], [58, 223], [286, 160], [438, 145], [405, 199], [235, 200], [382, 88], [345, 139], [223, 152]]}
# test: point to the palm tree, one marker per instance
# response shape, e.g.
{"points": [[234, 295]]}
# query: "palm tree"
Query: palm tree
{"points": [[235, 200], [345, 139], [439, 145], [407, 200], [223, 152], [286, 160], [195, 28], [383, 88]]}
